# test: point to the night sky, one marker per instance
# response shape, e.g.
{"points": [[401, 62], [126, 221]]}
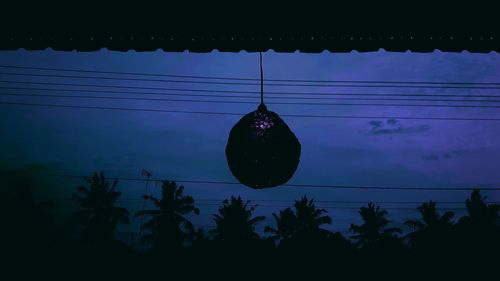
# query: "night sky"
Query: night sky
{"points": [[178, 146]]}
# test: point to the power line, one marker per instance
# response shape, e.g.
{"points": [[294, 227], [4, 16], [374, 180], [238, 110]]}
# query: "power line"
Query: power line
{"points": [[247, 79], [293, 201], [240, 114], [234, 91], [317, 206], [336, 201], [287, 185], [250, 84], [249, 102], [255, 97], [127, 79], [345, 208]]}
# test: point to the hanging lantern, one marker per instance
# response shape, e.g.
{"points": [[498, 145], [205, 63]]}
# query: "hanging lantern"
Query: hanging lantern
{"points": [[261, 150]]}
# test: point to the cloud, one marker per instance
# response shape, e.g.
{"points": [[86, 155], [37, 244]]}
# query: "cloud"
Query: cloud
{"points": [[449, 154], [392, 126], [392, 121], [431, 157], [376, 124]]}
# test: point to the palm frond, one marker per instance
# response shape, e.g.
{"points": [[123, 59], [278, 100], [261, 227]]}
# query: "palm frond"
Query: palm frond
{"points": [[256, 220]]}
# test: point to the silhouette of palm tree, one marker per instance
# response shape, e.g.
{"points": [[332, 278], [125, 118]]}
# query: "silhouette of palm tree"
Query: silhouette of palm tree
{"points": [[374, 228], [430, 218], [479, 229], [477, 237], [479, 213], [304, 222], [432, 229], [234, 222], [98, 215], [286, 225], [168, 225]]}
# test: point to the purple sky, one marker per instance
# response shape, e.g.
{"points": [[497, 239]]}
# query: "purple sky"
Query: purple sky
{"points": [[378, 152]]}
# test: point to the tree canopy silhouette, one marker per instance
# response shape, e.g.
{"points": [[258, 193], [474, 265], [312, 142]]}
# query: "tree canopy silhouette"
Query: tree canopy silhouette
{"points": [[432, 228], [430, 218], [234, 222], [169, 227], [438, 246], [98, 214], [479, 213], [479, 231], [302, 222], [374, 228], [27, 224]]}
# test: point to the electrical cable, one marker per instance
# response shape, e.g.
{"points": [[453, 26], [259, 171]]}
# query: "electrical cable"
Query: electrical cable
{"points": [[236, 91], [285, 185], [235, 96], [239, 114], [247, 79], [250, 102], [252, 84]]}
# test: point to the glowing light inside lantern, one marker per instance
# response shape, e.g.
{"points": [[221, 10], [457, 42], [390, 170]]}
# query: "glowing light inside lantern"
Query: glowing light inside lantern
{"points": [[262, 123]]}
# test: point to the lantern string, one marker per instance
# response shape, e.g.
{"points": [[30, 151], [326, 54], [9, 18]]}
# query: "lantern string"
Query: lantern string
{"points": [[261, 81]]}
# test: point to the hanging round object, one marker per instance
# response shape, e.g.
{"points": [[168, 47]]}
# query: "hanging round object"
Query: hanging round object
{"points": [[261, 150]]}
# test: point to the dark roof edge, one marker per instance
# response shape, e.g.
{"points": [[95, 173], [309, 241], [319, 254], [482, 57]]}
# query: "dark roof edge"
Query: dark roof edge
{"points": [[308, 43]]}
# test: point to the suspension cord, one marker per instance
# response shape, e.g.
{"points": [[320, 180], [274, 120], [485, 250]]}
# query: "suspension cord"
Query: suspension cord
{"points": [[261, 81]]}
